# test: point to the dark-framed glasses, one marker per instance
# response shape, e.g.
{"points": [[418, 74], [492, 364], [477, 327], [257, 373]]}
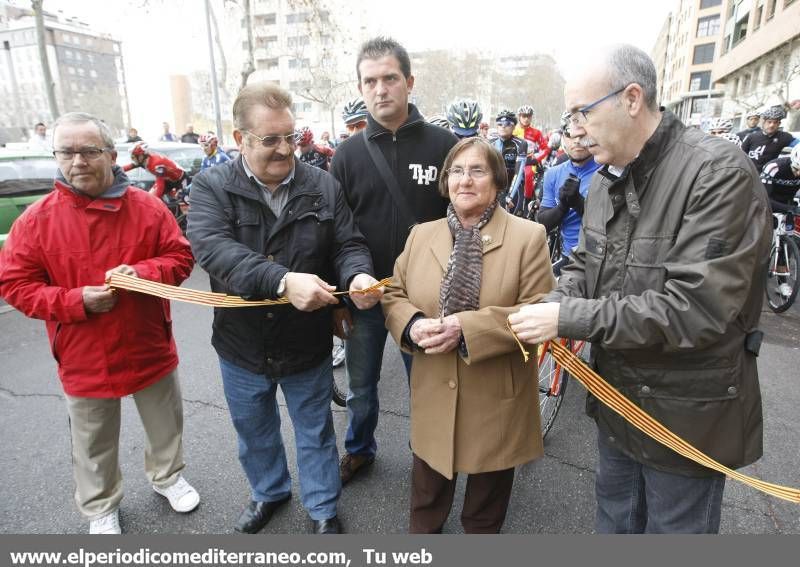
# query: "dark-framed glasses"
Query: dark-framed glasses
{"points": [[456, 173], [89, 154], [272, 141], [578, 118]]}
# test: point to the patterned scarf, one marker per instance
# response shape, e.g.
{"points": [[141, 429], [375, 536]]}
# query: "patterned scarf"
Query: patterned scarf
{"points": [[461, 284]]}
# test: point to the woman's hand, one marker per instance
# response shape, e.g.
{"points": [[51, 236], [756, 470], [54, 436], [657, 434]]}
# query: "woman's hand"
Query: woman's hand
{"points": [[440, 336]]}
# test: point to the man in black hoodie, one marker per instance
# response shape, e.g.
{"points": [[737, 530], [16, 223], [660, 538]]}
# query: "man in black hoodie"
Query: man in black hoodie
{"points": [[412, 152]]}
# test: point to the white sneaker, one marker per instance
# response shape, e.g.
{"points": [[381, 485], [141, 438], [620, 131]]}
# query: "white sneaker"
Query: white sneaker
{"points": [[785, 289], [106, 525], [181, 495]]}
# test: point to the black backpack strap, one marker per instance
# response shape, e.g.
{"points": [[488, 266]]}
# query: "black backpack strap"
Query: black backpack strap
{"points": [[399, 199]]}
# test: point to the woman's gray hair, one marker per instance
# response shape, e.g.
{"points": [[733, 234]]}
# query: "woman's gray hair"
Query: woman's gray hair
{"points": [[83, 117], [627, 64]]}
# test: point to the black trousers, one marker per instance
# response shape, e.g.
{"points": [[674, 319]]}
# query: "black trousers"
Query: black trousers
{"points": [[485, 502]]}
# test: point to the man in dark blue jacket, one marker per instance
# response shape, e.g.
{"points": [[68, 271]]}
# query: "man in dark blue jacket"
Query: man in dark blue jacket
{"points": [[264, 226], [412, 152]]}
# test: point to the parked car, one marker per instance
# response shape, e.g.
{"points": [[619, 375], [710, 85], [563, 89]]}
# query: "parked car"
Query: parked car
{"points": [[25, 176], [188, 156]]}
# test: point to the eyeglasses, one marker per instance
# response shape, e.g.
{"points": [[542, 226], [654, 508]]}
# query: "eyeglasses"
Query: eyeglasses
{"points": [[272, 141], [89, 154], [504, 123], [578, 118], [456, 173]]}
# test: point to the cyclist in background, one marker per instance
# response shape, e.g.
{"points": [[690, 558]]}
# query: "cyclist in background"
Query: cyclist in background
{"points": [[464, 117], [483, 130], [513, 151], [753, 118], [440, 121], [538, 149], [214, 154], [781, 178], [766, 145], [719, 126], [170, 178], [311, 153], [354, 115], [565, 188]]}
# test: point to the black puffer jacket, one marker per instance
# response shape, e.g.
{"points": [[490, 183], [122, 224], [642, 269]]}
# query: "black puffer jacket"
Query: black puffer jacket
{"points": [[415, 154], [246, 251], [667, 283]]}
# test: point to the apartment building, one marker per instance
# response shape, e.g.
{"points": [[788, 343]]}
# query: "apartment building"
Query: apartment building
{"points": [[685, 54], [86, 66], [759, 65], [310, 49]]}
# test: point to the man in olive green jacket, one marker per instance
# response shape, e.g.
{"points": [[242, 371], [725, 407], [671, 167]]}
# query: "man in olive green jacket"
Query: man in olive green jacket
{"points": [[667, 284]]}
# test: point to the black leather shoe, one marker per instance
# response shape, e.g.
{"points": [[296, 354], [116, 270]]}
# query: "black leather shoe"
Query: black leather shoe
{"points": [[329, 526], [257, 515]]}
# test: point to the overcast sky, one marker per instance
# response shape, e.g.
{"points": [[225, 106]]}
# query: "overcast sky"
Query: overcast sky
{"points": [[168, 36]]}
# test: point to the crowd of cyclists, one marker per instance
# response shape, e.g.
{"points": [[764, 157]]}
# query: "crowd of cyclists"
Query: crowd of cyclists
{"points": [[548, 174]]}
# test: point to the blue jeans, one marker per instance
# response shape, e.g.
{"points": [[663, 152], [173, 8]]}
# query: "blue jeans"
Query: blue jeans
{"points": [[633, 498], [363, 357], [255, 415]]}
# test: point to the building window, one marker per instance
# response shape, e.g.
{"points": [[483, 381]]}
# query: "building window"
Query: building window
{"points": [[301, 107], [703, 54], [757, 15], [298, 63], [746, 80], [740, 29], [267, 63], [708, 26], [263, 20], [297, 18], [771, 8], [699, 81], [709, 3], [68, 53], [297, 40], [93, 73]]}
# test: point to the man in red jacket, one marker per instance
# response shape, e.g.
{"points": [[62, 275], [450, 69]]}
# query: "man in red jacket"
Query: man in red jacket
{"points": [[107, 344]]}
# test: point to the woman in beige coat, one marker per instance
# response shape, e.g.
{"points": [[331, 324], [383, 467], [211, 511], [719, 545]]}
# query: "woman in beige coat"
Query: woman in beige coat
{"points": [[474, 401]]}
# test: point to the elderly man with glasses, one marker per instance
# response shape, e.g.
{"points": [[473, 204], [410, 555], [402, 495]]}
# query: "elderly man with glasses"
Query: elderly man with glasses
{"points": [[667, 283], [107, 345], [264, 226]]}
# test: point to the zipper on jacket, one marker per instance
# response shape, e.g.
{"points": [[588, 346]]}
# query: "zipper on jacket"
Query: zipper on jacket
{"points": [[395, 212]]}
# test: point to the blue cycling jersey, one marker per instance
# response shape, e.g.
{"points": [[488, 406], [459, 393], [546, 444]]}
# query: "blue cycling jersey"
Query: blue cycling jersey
{"points": [[553, 180], [216, 159]]}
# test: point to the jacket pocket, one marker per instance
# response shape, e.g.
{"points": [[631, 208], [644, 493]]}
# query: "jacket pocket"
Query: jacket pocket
{"points": [[644, 265], [595, 247]]}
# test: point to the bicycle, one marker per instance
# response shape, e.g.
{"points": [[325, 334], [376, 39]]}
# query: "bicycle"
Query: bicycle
{"points": [[553, 380], [339, 388], [784, 262]]}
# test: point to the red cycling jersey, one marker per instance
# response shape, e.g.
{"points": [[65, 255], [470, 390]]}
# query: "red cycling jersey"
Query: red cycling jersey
{"points": [[165, 171], [538, 150]]}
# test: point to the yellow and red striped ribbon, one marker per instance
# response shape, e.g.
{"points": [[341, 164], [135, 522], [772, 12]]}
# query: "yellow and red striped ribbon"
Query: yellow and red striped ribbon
{"points": [[209, 298], [637, 417]]}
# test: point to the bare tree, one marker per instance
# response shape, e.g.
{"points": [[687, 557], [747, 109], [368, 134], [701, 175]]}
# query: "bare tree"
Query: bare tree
{"points": [[314, 53], [49, 84], [249, 66]]}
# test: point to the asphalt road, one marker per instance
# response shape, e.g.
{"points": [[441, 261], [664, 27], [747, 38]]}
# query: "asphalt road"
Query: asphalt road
{"points": [[551, 495]]}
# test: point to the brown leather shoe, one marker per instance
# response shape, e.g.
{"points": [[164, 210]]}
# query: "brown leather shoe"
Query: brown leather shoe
{"points": [[351, 464]]}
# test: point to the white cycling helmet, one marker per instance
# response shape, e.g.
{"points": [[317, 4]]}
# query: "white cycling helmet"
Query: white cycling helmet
{"points": [[732, 138], [721, 125], [794, 157]]}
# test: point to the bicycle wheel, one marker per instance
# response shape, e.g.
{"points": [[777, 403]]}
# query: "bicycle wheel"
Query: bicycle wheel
{"points": [[552, 386], [339, 389], [782, 275]]}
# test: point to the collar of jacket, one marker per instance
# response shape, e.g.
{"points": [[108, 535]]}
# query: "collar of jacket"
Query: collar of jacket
{"points": [[667, 133], [116, 191], [414, 120], [240, 184], [491, 235]]}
